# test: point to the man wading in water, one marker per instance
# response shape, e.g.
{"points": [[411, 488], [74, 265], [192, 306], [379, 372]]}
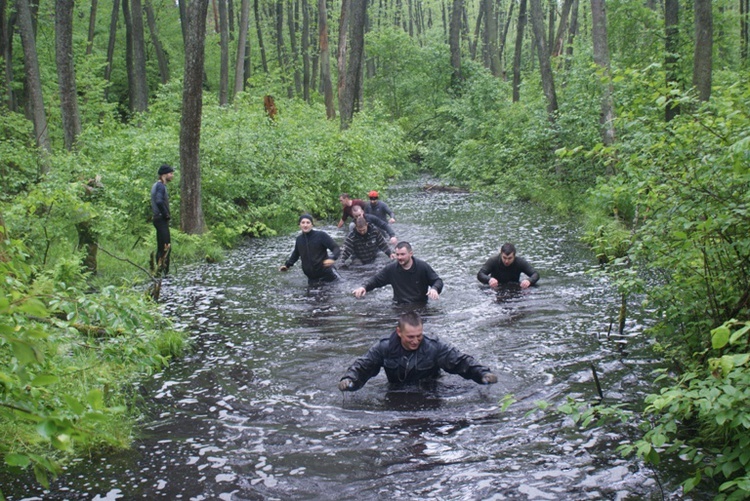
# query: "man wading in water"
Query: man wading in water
{"points": [[409, 356], [312, 248]]}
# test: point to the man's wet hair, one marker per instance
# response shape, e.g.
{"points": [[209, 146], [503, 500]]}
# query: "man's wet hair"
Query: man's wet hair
{"points": [[361, 223], [344, 195], [404, 245], [411, 318], [508, 249], [355, 210]]}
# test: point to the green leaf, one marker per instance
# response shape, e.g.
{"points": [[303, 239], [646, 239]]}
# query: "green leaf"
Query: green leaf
{"points": [[19, 460], [25, 353], [95, 398], [719, 337], [77, 407], [33, 306], [736, 335], [44, 380]]}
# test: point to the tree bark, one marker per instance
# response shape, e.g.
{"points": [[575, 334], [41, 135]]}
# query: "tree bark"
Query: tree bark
{"points": [[517, 51], [342, 49], [224, 58], [601, 58], [161, 56], [455, 39], [111, 43], [128, 20], [545, 68], [182, 4], [33, 80], [293, 27], [325, 60], [239, 67], [66, 74], [492, 36], [92, 28], [264, 61], [6, 39], [559, 43], [191, 210], [744, 8], [139, 57], [305, 51], [505, 29], [353, 66], [671, 41], [477, 31], [248, 65], [702, 60], [572, 31]]}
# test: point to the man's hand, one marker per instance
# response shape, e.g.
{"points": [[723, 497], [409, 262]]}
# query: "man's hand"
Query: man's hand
{"points": [[432, 293], [360, 292], [489, 378], [525, 284], [393, 240], [346, 384], [327, 263], [391, 221], [341, 223], [493, 282], [283, 268]]}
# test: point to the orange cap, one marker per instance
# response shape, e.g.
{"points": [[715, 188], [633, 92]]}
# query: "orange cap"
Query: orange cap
{"points": [[373, 194]]}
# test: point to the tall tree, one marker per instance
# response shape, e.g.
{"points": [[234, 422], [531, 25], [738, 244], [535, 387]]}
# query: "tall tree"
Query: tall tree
{"points": [[572, 31], [559, 42], [182, 5], [224, 57], [477, 30], [703, 60], [6, 40], [342, 49], [161, 56], [455, 39], [744, 8], [601, 58], [191, 209], [261, 45], [239, 67], [671, 58], [348, 104], [518, 50], [305, 51], [325, 60], [66, 74], [545, 67], [92, 27], [111, 43], [292, 24], [128, 20], [139, 57], [33, 81]]}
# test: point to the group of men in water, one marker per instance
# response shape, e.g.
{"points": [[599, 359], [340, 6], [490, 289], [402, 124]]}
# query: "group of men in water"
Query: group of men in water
{"points": [[407, 354]]}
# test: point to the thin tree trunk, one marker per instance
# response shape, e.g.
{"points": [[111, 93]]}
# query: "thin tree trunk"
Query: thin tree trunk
{"points": [[261, 45], [191, 209], [230, 7], [66, 74], [517, 52], [492, 35], [342, 49], [6, 24], [353, 66], [477, 31], [92, 28], [671, 41], [182, 4], [292, 24], [325, 60], [127, 18], [562, 28], [443, 9], [139, 57], [248, 65], [410, 11], [601, 58], [545, 68], [551, 25], [161, 56], [455, 39], [111, 43], [702, 60], [505, 28], [224, 57], [34, 83], [239, 67], [215, 10], [572, 31], [744, 39], [305, 51]]}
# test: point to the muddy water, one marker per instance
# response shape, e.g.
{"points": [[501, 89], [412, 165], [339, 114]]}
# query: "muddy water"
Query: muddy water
{"points": [[254, 413]]}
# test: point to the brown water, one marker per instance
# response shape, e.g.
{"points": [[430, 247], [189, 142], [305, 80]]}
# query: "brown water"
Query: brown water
{"points": [[254, 413]]}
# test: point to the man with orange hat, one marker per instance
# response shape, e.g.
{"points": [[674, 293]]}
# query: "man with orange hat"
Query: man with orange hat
{"points": [[379, 209]]}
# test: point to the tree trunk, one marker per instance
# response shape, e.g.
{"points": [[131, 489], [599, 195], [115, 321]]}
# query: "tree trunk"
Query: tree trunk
{"points": [[281, 48], [182, 4], [505, 30], [33, 80], [111, 43], [239, 67], [562, 28], [445, 20], [341, 56], [702, 60], [92, 28], [477, 31], [161, 56], [353, 66], [305, 51], [66, 74], [262, 46], [601, 58], [671, 42], [127, 18], [572, 31], [292, 25], [517, 51], [230, 7], [744, 8], [191, 210], [545, 68], [492, 36], [6, 39], [224, 58], [325, 60], [551, 25], [139, 57], [248, 65], [455, 39]]}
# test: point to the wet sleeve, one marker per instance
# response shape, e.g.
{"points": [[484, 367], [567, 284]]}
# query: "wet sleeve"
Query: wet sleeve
{"points": [[433, 280], [383, 245], [293, 258], [382, 225], [381, 279], [387, 209], [529, 271], [348, 247], [485, 272], [332, 246], [366, 367], [453, 361]]}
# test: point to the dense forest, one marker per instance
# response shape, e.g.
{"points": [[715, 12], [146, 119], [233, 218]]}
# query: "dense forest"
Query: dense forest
{"points": [[632, 115]]}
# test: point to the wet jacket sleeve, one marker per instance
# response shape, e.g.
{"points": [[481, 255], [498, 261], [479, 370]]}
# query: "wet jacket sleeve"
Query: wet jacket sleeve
{"points": [[381, 278], [528, 270], [454, 362], [383, 225], [366, 367], [331, 246], [383, 245], [433, 279], [293, 258], [348, 247], [485, 272]]}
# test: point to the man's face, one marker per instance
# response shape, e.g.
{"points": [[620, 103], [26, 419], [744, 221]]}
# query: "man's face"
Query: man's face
{"points": [[345, 201], [357, 211], [411, 336], [362, 230], [373, 201], [508, 258], [403, 256], [169, 176], [305, 225]]}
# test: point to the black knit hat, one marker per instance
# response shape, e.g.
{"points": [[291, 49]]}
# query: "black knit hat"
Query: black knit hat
{"points": [[305, 216], [165, 169]]}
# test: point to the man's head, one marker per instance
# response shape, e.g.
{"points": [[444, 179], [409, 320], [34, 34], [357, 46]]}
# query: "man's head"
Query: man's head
{"points": [[508, 254], [373, 197], [305, 223], [404, 254], [409, 330], [345, 199], [357, 211], [165, 172], [360, 225]]}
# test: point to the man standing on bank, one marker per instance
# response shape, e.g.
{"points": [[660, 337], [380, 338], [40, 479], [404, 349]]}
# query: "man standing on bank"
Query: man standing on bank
{"points": [[380, 209], [409, 356], [506, 267], [413, 280], [160, 210], [312, 248]]}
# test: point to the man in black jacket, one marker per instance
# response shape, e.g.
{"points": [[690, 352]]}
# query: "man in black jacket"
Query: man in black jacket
{"points": [[413, 280], [506, 267], [312, 248], [364, 243], [409, 356], [161, 217]]}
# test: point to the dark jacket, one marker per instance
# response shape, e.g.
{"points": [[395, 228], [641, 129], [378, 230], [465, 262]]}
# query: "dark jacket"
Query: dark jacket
{"points": [[380, 224], [404, 366], [409, 286], [364, 247], [494, 268], [312, 248], [380, 209], [160, 201]]}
